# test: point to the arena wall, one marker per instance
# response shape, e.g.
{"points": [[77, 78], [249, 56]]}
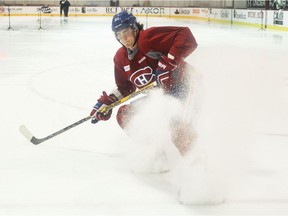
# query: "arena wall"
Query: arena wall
{"points": [[265, 19]]}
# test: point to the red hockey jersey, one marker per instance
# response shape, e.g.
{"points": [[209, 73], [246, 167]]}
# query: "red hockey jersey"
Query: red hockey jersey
{"points": [[138, 70]]}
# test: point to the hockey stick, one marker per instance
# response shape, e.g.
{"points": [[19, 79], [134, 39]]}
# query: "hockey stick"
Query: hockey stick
{"points": [[26, 133]]}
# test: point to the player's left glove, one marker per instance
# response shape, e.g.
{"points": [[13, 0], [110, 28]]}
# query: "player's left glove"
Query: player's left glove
{"points": [[163, 72], [103, 101]]}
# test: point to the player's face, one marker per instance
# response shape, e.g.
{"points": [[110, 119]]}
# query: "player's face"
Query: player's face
{"points": [[127, 37]]}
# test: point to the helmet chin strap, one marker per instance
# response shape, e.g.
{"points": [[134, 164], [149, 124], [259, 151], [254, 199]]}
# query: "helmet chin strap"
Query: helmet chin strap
{"points": [[136, 38]]}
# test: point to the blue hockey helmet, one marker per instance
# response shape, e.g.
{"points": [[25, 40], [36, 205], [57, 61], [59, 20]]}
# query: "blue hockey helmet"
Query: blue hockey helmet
{"points": [[123, 20]]}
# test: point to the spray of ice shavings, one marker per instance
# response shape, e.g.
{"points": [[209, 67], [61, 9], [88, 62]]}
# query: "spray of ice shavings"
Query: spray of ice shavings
{"points": [[149, 132]]}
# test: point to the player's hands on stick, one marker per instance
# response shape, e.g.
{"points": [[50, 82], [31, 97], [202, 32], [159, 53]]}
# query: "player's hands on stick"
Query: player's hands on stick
{"points": [[163, 72], [104, 100]]}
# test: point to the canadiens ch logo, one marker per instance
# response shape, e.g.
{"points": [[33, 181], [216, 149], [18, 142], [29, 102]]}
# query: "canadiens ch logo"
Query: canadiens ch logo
{"points": [[142, 76]]}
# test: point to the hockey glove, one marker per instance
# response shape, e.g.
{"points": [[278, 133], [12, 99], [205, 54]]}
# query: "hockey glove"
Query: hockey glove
{"points": [[163, 72], [103, 101]]}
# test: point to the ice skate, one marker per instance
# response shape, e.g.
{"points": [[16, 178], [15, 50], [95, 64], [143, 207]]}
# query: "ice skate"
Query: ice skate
{"points": [[148, 161]]}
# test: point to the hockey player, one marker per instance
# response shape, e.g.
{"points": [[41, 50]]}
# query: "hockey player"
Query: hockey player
{"points": [[155, 54], [64, 6]]}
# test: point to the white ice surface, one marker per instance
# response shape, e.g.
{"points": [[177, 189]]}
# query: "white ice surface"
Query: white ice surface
{"points": [[50, 78]]}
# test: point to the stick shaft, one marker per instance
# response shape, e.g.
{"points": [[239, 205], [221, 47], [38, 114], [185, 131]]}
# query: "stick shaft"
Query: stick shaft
{"points": [[36, 141]]}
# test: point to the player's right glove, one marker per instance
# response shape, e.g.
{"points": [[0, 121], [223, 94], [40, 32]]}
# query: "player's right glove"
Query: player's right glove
{"points": [[163, 72], [104, 100]]}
